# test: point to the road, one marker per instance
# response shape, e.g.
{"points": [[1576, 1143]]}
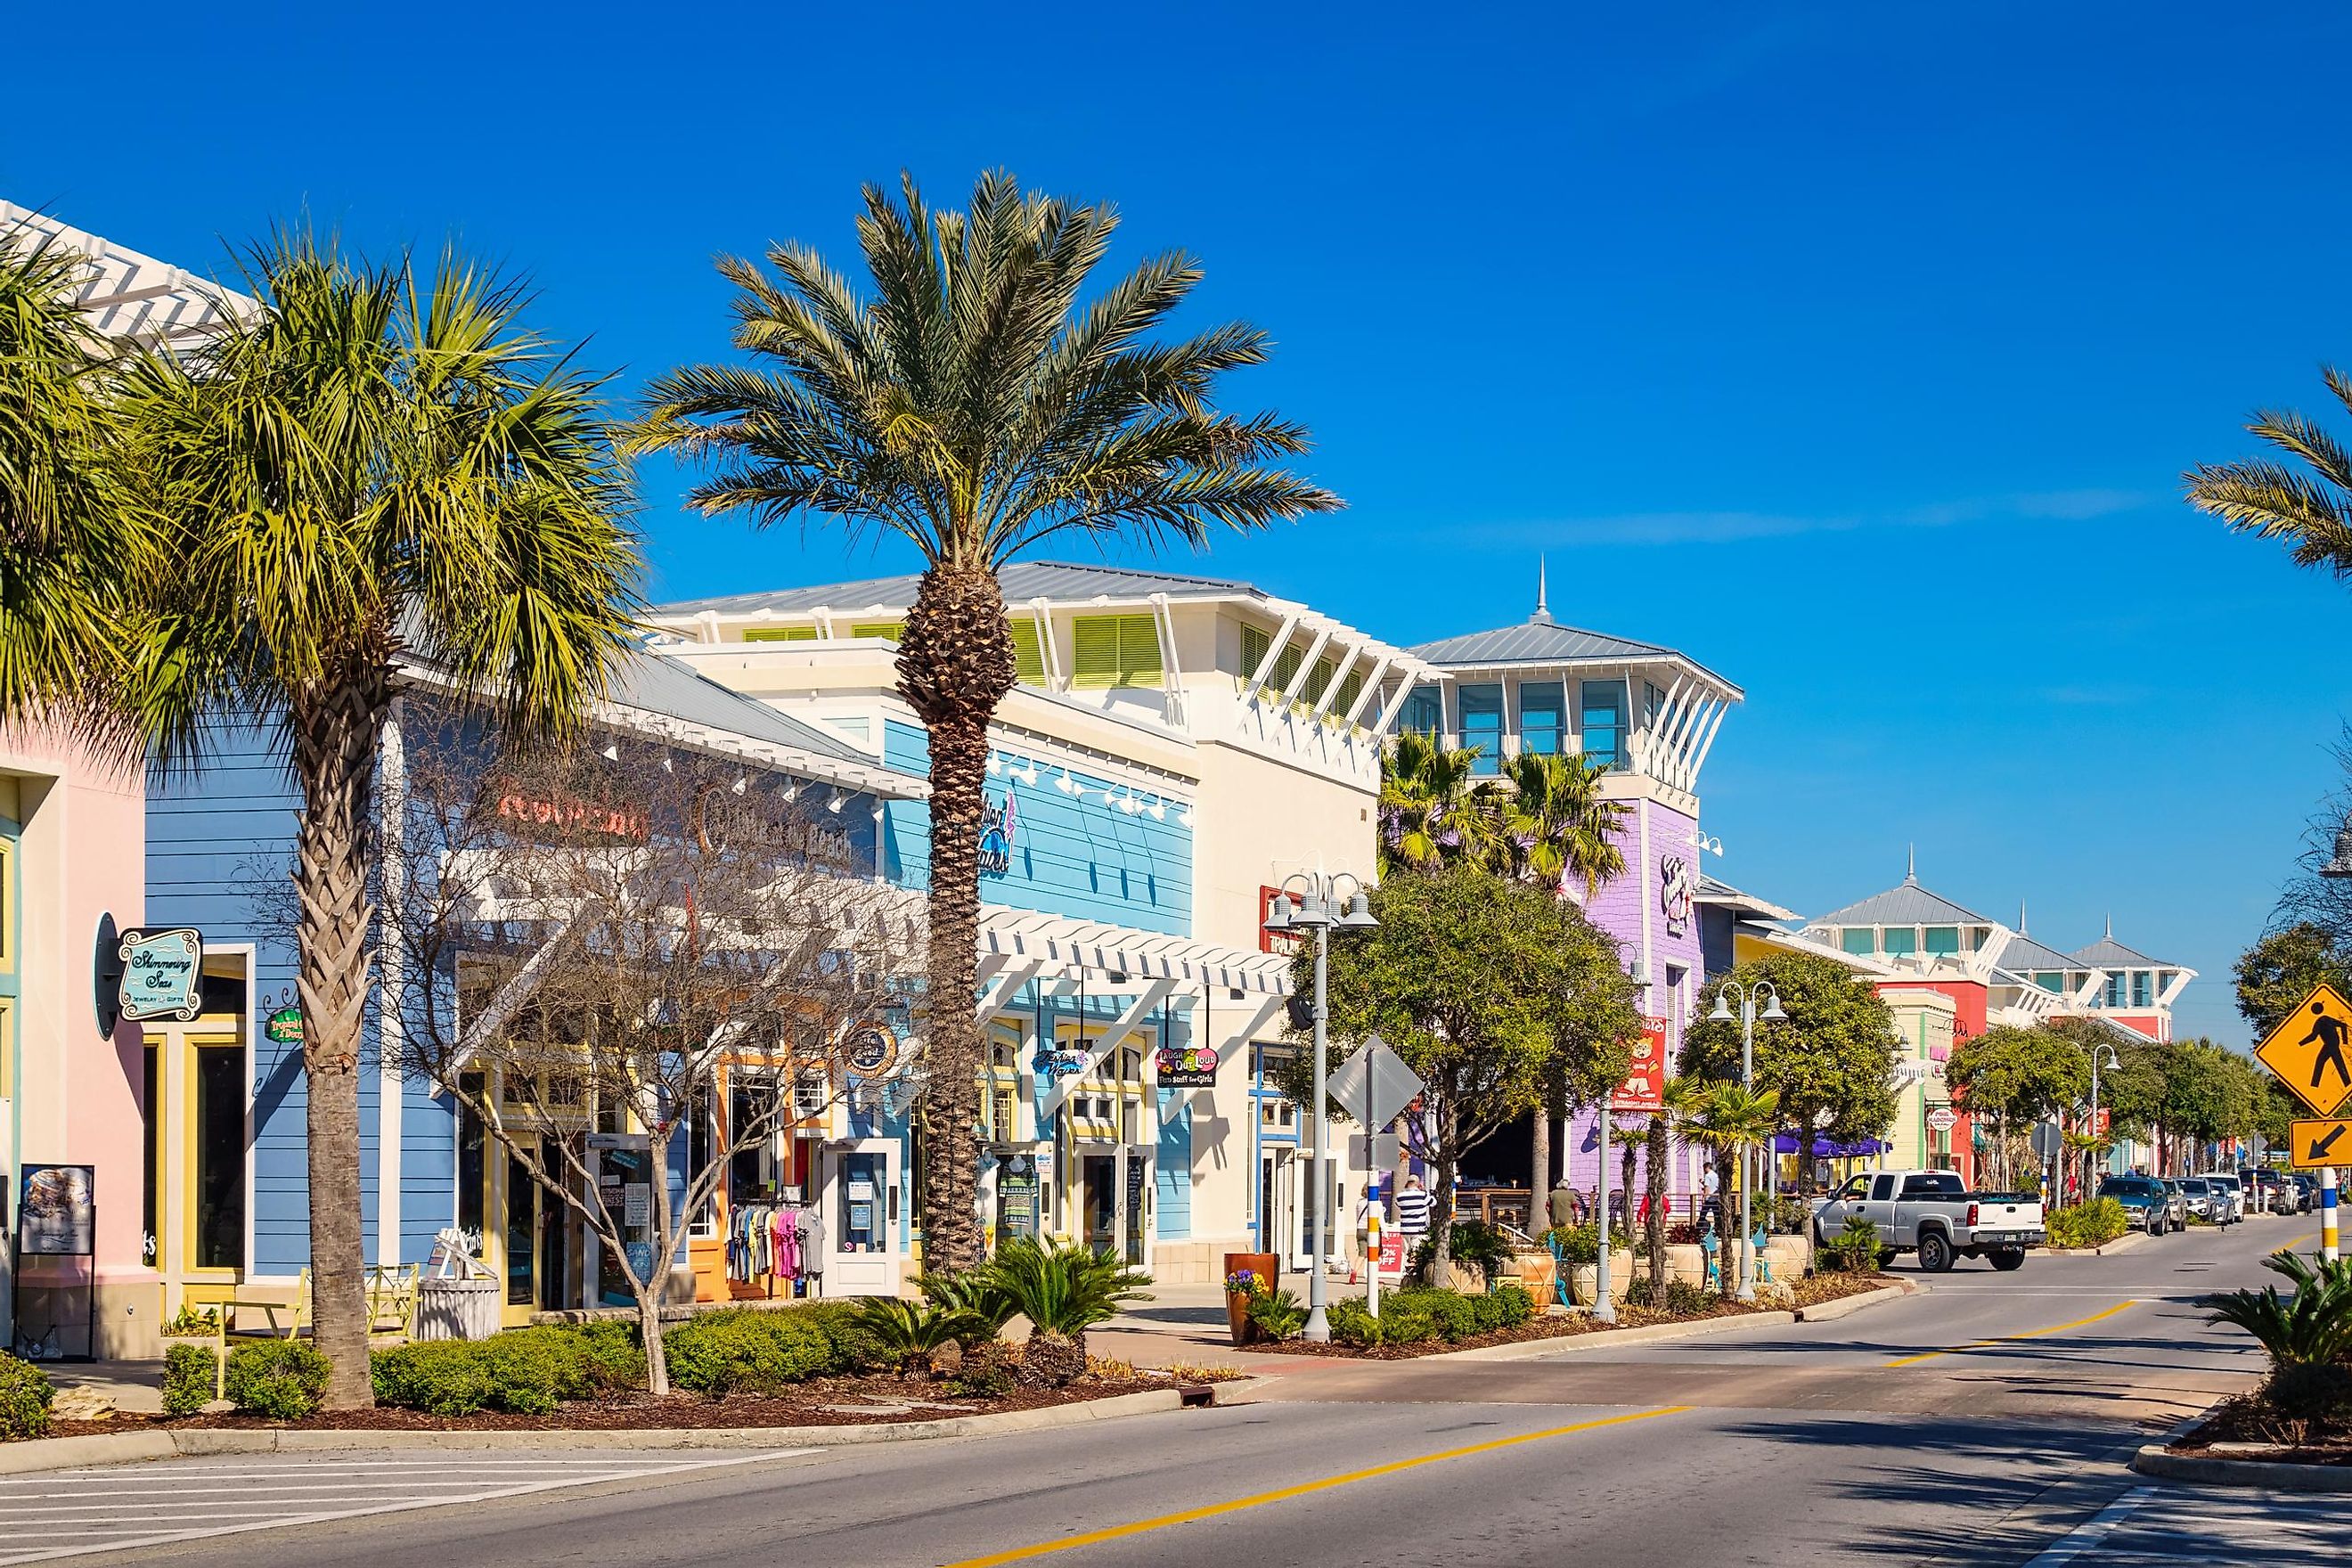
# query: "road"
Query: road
{"points": [[1982, 1423]]}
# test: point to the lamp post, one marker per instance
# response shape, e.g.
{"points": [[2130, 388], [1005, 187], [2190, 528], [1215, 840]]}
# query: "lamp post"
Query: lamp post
{"points": [[1748, 995], [1316, 908], [2114, 1064]]}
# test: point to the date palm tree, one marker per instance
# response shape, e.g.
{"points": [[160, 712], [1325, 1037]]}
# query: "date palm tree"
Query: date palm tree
{"points": [[975, 402], [1730, 1118], [373, 462], [2309, 509]]}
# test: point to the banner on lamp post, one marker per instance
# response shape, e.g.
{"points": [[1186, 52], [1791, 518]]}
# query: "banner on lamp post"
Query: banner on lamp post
{"points": [[1644, 1089]]}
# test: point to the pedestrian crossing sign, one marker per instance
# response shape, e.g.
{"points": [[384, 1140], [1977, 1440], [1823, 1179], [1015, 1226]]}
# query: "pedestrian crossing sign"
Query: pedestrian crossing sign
{"points": [[2311, 1051]]}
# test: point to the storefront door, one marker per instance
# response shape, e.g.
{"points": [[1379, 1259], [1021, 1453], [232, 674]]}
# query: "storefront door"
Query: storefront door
{"points": [[864, 1228], [1277, 1201]]}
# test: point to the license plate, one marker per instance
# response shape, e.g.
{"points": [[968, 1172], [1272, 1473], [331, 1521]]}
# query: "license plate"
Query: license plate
{"points": [[2001, 1236]]}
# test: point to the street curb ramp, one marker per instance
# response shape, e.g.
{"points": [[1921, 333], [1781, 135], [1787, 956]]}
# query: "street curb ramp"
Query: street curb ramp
{"points": [[2163, 1463], [131, 1447]]}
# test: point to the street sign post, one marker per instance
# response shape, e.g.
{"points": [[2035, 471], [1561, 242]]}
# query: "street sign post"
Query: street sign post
{"points": [[2311, 1051], [1374, 1084], [2320, 1145]]}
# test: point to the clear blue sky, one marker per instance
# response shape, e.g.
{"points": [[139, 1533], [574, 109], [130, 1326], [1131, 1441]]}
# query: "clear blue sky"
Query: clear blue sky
{"points": [[1856, 350]]}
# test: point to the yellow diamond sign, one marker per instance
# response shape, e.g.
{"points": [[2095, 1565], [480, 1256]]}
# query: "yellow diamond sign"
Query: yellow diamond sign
{"points": [[2311, 1051]]}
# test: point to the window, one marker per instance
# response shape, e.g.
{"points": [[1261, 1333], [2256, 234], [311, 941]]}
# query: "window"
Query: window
{"points": [[1115, 651], [1654, 702], [1899, 941], [892, 631], [1943, 941], [2139, 988], [1423, 712], [1602, 722], [2116, 990], [780, 634], [2051, 981], [1541, 705], [1028, 654], [1351, 692], [2164, 979], [219, 1238], [1860, 941], [1482, 726]]}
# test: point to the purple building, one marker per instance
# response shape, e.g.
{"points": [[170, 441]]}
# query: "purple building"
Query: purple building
{"points": [[1652, 714]]}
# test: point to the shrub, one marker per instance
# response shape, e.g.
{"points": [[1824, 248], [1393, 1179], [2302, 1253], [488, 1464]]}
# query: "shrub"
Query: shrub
{"points": [[1404, 1323], [607, 1358], [746, 1352], [281, 1379], [2303, 1390], [1514, 1305], [1854, 1249], [1449, 1314], [524, 1372], [189, 1323], [25, 1395], [848, 1336], [2094, 1223], [1680, 1297], [1580, 1246], [1352, 1322], [1480, 1246], [188, 1378], [1276, 1314], [1060, 1286], [989, 1369]]}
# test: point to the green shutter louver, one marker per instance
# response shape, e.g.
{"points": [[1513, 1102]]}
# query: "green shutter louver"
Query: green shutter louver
{"points": [[780, 634], [1115, 650], [893, 630], [1028, 654]]}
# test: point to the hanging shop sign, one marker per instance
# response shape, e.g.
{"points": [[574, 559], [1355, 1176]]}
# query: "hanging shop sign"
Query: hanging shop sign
{"points": [[999, 821], [1677, 885], [871, 1050], [161, 974], [1186, 1066], [1943, 1119], [58, 1214], [1644, 1087], [285, 1026]]}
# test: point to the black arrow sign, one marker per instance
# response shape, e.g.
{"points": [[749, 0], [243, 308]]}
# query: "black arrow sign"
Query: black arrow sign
{"points": [[2320, 1146]]}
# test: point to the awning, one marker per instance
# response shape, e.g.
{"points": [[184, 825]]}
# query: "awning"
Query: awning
{"points": [[1823, 1149], [1105, 955]]}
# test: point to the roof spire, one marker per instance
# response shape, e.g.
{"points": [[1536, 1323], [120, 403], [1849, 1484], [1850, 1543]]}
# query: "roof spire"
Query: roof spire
{"points": [[1543, 598], [2110, 925], [1911, 867], [2021, 916]]}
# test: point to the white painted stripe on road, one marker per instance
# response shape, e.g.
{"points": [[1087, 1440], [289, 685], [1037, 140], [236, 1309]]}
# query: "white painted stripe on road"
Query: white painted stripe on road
{"points": [[2087, 1535]]}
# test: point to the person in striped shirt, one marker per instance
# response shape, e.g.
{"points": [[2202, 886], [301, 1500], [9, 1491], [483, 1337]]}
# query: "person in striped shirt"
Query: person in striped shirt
{"points": [[1413, 1213]]}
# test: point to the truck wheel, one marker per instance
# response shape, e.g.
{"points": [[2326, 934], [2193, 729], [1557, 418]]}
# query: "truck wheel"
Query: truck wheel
{"points": [[2009, 1260], [1935, 1252], [1887, 1256]]}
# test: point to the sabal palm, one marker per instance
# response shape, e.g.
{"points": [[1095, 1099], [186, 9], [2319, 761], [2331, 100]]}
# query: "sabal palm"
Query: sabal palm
{"points": [[71, 550], [974, 403], [2308, 508], [373, 462], [1728, 1120], [1429, 813], [1551, 824]]}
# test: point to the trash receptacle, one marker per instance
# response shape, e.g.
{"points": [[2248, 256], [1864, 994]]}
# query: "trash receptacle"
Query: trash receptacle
{"points": [[456, 1309]]}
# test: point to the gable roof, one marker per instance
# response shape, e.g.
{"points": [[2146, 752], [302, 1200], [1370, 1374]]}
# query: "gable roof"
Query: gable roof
{"points": [[1023, 581], [2108, 953], [1908, 905], [2022, 955]]}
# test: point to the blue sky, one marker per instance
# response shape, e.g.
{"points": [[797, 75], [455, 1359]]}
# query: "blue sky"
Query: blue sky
{"points": [[1856, 350]]}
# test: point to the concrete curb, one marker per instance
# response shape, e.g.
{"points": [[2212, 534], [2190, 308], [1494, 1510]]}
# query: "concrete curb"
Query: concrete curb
{"points": [[2123, 1243], [2154, 1460], [129, 1448], [1527, 1349], [1846, 1306]]}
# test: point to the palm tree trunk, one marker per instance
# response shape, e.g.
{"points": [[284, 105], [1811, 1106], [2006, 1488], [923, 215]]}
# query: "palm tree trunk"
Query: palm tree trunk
{"points": [[1539, 1169], [1655, 1227], [334, 729], [1726, 1251], [955, 664]]}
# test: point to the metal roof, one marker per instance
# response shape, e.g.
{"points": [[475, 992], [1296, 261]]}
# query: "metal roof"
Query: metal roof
{"points": [[2108, 953], [656, 683], [1542, 640], [1023, 581], [1721, 893], [1908, 905], [2024, 954], [133, 298]]}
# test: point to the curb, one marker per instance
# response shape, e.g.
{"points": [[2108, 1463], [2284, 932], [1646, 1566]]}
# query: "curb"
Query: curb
{"points": [[129, 1448], [1528, 1350], [2123, 1243], [2154, 1460], [1846, 1306]]}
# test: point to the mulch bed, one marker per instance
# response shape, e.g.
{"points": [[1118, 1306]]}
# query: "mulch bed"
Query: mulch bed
{"points": [[2248, 1419], [805, 1406], [1810, 1292]]}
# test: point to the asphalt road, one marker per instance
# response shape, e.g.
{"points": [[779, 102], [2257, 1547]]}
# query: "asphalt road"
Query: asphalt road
{"points": [[1983, 1422]]}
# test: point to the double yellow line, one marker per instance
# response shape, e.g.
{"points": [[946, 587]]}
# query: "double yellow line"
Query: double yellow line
{"points": [[2009, 1339], [1304, 1489]]}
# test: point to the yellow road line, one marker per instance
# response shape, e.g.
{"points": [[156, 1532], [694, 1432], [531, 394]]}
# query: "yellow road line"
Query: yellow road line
{"points": [[2005, 1339], [1212, 1510], [2296, 1244]]}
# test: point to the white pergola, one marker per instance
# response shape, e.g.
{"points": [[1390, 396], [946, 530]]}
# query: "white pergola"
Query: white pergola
{"points": [[131, 297]]}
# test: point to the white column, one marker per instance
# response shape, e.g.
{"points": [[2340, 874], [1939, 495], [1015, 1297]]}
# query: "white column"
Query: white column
{"points": [[391, 1036]]}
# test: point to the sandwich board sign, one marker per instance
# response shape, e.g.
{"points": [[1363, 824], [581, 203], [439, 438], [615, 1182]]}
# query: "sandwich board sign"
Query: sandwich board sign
{"points": [[2311, 1051]]}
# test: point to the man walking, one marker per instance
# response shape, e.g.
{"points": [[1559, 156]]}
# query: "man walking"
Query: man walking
{"points": [[1413, 1207]]}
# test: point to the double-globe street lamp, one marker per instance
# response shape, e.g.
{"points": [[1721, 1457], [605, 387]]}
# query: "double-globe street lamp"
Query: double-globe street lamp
{"points": [[2114, 1064], [1749, 996], [1317, 907]]}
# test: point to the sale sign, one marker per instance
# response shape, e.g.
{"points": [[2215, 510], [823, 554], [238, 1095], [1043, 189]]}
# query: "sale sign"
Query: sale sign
{"points": [[1645, 1086]]}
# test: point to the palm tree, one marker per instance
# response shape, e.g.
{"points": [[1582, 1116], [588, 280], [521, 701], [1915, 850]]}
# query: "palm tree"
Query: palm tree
{"points": [[973, 407], [1679, 1101], [1729, 1119], [372, 463], [2310, 511], [1551, 824], [70, 549], [1430, 815]]}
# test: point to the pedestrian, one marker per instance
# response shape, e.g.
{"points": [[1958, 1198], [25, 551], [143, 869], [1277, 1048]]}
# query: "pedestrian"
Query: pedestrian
{"points": [[1563, 1205], [1709, 1183], [1413, 1207]]}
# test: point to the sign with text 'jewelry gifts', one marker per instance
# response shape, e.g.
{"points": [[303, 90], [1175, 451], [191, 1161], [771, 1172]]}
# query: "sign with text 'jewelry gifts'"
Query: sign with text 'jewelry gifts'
{"points": [[163, 973]]}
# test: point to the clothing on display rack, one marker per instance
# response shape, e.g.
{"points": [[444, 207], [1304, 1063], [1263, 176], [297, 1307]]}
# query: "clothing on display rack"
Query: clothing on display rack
{"points": [[769, 1242]]}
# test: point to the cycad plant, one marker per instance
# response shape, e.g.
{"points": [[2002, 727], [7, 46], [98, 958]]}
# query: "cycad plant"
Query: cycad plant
{"points": [[974, 401], [912, 1332], [2310, 1327], [2307, 508], [1064, 1290], [376, 462], [975, 1294]]}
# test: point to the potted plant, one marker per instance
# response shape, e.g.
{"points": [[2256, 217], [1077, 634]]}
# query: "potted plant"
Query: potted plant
{"points": [[1247, 1274]]}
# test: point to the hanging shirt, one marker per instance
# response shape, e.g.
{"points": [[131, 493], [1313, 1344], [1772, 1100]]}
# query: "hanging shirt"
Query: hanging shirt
{"points": [[784, 1235]]}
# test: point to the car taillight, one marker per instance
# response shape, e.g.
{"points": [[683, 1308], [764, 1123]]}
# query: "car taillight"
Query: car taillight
{"points": [[1972, 1216]]}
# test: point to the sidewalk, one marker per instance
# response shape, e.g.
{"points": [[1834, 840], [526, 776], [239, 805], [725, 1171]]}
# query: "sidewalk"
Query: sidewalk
{"points": [[1187, 1323]]}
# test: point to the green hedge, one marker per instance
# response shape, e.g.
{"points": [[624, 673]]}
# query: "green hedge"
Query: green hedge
{"points": [[282, 1379], [2093, 1224], [188, 1378], [25, 1395], [747, 1352], [1421, 1313], [527, 1372]]}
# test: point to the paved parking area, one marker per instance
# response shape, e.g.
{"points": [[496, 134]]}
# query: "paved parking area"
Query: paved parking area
{"points": [[116, 1507]]}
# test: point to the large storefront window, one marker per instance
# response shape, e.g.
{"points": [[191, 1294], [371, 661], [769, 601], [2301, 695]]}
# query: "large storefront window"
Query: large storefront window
{"points": [[220, 1156], [1482, 726]]}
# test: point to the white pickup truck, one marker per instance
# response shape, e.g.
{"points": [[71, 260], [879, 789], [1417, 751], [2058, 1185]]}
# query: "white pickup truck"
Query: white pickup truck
{"points": [[1932, 1213]]}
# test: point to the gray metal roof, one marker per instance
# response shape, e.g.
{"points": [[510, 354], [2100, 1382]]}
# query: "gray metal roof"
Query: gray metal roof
{"points": [[2108, 953], [1713, 890], [2024, 954], [1908, 905], [656, 683], [1542, 640], [1023, 581]]}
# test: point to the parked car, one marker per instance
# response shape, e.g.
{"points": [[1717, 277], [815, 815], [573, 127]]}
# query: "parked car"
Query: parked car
{"points": [[2203, 1201], [2179, 1202], [2306, 1190], [2144, 1198], [2269, 1186], [2233, 1195], [1932, 1213]]}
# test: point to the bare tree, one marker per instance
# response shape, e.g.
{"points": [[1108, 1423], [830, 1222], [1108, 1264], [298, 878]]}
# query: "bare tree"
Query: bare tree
{"points": [[617, 939]]}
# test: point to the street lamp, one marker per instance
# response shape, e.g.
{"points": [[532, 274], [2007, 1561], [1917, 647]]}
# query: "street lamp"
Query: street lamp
{"points": [[2114, 1064], [2341, 866], [1748, 995], [1319, 909]]}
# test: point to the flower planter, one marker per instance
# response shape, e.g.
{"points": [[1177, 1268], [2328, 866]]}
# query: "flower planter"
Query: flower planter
{"points": [[1584, 1283], [1687, 1261], [1267, 1268]]}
